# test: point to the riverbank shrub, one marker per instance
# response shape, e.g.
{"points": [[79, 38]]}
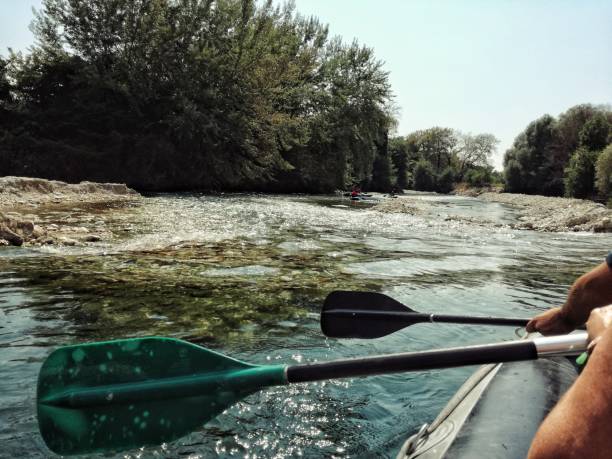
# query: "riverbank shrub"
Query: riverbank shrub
{"points": [[603, 173], [423, 178], [478, 177], [580, 174], [445, 181]]}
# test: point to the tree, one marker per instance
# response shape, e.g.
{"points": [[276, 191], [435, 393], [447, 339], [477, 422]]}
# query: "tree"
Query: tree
{"points": [[541, 154], [514, 177], [444, 182], [603, 172], [534, 151], [381, 170], [437, 146], [398, 150], [423, 176], [570, 124], [479, 177], [474, 151], [594, 134], [580, 174]]}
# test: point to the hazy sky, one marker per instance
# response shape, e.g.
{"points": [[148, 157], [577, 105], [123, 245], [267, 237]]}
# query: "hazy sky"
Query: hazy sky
{"points": [[473, 65]]}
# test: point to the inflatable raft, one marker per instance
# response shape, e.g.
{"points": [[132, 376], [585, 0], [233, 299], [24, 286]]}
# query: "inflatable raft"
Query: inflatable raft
{"points": [[495, 413]]}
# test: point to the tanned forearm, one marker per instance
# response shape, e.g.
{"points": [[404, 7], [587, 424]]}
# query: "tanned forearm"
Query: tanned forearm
{"points": [[590, 291], [579, 426]]}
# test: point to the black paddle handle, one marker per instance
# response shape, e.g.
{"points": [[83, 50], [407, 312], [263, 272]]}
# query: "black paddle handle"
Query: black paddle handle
{"points": [[479, 320], [410, 318], [414, 361]]}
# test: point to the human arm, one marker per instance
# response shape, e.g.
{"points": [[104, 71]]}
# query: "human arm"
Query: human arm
{"points": [[591, 290], [579, 426]]}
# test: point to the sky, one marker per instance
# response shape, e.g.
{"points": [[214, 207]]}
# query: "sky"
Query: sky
{"points": [[473, 65]]}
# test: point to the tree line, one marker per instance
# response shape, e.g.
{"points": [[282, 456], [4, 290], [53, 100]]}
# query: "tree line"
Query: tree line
{"points": [[438, 158], [193, 94], [566, 156], [246, 95]]}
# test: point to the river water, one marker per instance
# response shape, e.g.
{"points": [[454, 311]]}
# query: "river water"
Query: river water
{"points": [[246, 275]]}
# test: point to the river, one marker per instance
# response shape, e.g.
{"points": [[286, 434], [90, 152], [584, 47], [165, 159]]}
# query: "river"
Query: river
{"points": [[246, 275]]}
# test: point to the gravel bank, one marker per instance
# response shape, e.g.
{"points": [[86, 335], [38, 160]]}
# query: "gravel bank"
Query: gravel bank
{"points": [[539, 213], [544, 213], [26, 205]]}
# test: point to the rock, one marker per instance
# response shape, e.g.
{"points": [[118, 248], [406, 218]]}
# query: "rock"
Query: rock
{"points": [[92, 238], [37, 232], [24, 227], [10, 236], [15, 231], [603, 226], [67, 241]]}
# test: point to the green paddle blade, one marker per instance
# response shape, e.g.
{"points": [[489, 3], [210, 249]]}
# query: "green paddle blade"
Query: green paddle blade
{"points": [[124, 394]]}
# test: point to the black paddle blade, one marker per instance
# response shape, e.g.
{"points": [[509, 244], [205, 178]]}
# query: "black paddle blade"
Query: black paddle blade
{"points": [[365, 315]]}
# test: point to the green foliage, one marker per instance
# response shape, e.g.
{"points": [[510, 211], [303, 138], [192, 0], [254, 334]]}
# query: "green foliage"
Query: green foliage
{"points": [[533, 150], [445, 181], [580, 174], [474, 151], [423, 176], [513, 176], [436, 158], [603, 172], [540, 155], [400, 156], [230, 94], [497, 178], [436, 145], [478, 177], [594, 134], [381, 170], [570, 124]]}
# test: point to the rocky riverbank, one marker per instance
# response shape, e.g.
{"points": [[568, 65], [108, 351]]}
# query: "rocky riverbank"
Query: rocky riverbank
{"points": [[539, 213], [37, 211], [544, 213]]}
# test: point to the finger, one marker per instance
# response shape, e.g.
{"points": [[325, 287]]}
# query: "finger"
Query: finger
{"points": [[531, 326], [592, 344]]}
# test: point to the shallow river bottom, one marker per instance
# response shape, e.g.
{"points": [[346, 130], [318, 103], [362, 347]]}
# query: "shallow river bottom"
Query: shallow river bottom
{"points": [[246, 275]]}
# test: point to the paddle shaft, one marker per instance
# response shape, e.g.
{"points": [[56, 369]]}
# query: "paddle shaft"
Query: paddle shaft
{"points": [[511, 351], [273, 375], [410, 318]]}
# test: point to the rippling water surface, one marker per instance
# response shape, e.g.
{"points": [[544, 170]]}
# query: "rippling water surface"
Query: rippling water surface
{"points": [[246, 275]]}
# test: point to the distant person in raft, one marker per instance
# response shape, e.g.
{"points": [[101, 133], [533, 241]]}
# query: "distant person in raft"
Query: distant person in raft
{"points": [[580, 425]]}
